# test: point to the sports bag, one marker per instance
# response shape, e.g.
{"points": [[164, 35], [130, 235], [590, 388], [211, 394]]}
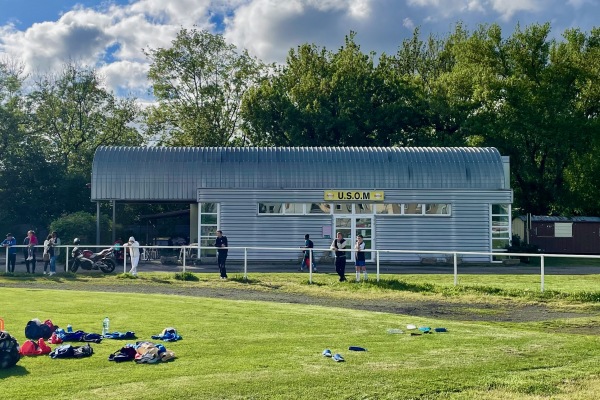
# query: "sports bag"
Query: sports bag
{"points": [[9, 350]]}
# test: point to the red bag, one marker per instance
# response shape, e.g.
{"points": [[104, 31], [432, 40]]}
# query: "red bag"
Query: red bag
{"points": [[54, 339], [50, 325]]}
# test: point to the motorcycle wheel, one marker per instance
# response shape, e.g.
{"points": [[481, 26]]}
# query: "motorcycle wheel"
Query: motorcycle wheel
{"points": [[73, 266], [107, 266]]}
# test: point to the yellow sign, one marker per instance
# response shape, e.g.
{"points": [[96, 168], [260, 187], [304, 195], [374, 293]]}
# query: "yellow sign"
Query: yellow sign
{"points": [[353, 195]]}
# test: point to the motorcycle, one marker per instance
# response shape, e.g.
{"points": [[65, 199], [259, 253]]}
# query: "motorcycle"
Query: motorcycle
{"points": [[88, 260]]}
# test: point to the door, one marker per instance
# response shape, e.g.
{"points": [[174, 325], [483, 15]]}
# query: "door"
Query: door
{"points": [[352, 225]]}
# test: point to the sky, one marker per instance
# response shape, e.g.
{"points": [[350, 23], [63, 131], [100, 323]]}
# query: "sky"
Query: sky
{"points": [[111, 35]]}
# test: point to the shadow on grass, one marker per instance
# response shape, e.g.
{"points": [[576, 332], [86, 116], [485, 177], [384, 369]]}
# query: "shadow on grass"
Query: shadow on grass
{"points": [[16, 370]]}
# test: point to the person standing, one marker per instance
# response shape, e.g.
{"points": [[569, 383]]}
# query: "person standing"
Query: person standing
{"points": [[48, 254], [361, 263], [56, 241], [31, 243], [308, 244], [338, 246], [118, 250], [26, 251], [134, 253], [221, 245], [10, 242]]}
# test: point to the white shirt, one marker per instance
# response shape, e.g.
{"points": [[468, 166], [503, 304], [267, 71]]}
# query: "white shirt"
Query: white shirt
{"points": [[134, 248]]}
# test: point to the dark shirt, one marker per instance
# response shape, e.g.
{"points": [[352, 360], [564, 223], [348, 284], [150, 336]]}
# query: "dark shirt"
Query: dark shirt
{"points": [[309, 245], [339, 253], [221, 241], [26, 243]]}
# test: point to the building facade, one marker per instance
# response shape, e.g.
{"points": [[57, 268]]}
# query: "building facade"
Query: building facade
{"points": [[427, 199]]}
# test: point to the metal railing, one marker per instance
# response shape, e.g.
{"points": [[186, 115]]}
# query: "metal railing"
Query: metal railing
{"points": [[185, 251]]}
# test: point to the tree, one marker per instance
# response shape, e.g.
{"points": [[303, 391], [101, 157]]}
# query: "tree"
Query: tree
{"points": [[198, 83], [328, 99], [521, 95], [72, 114]]}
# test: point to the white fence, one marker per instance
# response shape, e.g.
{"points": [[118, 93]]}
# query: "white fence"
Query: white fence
{"points": [[185, 256]]}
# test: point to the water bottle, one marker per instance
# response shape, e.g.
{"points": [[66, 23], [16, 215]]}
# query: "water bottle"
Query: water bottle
{"points": [[69, 328], [105, 325]]}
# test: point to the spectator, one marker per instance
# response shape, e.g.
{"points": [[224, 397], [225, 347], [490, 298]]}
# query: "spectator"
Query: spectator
{"points": [[221, 253], [48, 255], [10, 242], [361, 263], [31, 243], [308, 244], [57, 243], [134, 254], [338, 246]]}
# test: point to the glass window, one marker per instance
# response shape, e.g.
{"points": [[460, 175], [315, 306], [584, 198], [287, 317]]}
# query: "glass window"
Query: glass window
{"points": [[270, 208], [342, 208], [364, 208], [208, 208], [439, 209], [501, 209], [413, 209], [209, 220], [294, 208], [395, 209], [319, 208]]}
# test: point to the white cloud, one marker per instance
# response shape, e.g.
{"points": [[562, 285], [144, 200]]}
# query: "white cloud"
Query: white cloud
{"points": [[112, 36]]}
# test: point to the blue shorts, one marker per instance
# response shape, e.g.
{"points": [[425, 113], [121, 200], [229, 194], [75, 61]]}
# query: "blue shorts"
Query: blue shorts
{"points": [[361, 263]]}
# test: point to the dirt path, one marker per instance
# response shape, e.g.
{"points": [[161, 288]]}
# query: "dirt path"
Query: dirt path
{"points": [[505, 312]]}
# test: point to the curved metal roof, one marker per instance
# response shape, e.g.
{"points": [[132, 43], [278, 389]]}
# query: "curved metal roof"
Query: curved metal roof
{"points": [[175, 173]]}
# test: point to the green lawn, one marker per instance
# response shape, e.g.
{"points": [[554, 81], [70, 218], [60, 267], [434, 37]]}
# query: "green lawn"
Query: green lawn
{"points": [[255, 350]]}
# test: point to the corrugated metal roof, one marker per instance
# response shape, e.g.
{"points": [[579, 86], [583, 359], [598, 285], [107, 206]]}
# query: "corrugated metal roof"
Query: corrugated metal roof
{"points": [[175, 173]]}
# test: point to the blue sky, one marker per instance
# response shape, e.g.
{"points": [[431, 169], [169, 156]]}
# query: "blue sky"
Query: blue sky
{"points": [[110, 35]]}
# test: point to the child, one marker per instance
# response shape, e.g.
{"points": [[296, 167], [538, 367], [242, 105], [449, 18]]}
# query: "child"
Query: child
{"points": [[360, 258]]}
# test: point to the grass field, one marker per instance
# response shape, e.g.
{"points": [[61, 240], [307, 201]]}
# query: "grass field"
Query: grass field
{"points": [[235, 349]]}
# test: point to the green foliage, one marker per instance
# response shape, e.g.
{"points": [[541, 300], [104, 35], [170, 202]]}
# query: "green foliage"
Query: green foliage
{"points": [[198, 82], [186, 276], [80, 225], [328, 99]]}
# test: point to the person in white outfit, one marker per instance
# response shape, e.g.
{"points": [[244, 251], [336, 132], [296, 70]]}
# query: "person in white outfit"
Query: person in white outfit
{"points": [[134, 252]]}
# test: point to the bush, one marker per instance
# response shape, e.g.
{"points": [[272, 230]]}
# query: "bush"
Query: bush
{"points": [[186, 276], [80, 225]]}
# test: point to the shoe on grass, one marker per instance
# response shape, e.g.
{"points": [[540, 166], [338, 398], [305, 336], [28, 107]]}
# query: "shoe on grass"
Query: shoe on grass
{"points": [[326, 353], [338, 358]]}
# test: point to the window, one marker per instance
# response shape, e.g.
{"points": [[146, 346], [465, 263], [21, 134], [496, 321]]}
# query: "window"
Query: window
{"points": [[209, 222], [364, 208], [270, 208], [500, 230], [413, 209], [342, 208], [319, 208], [437, 209], [294, 208], [563, 229]]}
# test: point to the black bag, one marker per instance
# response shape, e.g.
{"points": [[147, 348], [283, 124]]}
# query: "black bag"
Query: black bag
{"points": [[9, 350], [35, 329]]}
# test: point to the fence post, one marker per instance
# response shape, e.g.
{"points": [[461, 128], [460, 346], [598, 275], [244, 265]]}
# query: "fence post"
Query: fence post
{"points": [[542, 271], [377, 256], [6, 266], [245, 263], [125, 259], [183, 250], [310, 271], [67, 252], [455, 269]]}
